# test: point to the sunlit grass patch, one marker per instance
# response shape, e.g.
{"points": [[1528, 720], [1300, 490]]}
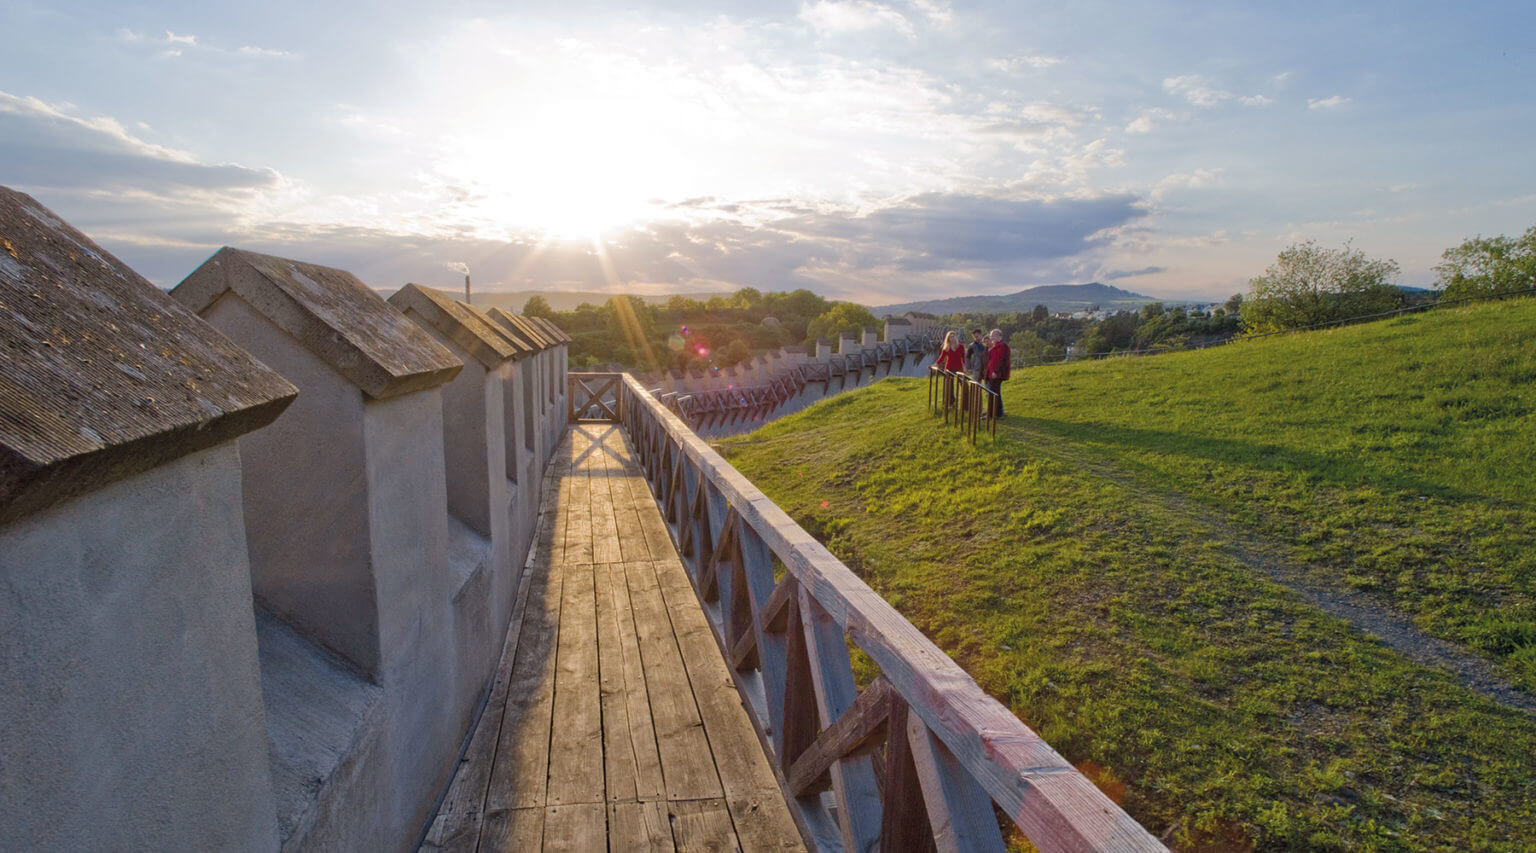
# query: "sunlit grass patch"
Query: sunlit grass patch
{"points": [[1086, 569]]}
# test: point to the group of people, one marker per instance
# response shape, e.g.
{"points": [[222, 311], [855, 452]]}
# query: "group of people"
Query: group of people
{"points": [[987, 360]]}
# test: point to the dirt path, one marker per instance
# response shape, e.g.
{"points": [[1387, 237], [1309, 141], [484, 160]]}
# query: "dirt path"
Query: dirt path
{"points": [[1273, 559]]}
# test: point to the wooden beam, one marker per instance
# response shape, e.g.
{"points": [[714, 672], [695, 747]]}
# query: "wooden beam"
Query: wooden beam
{"points": [[959, 811], [773, 613], [904, 818], [856, 732]]}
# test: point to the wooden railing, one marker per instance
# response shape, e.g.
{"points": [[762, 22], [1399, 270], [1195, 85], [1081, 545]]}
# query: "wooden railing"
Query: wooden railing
{"points": [[593, 396], [966, 403], [921, 756]]}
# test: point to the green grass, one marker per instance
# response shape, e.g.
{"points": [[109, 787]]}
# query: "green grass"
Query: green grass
{"points": [[1088, 568]]}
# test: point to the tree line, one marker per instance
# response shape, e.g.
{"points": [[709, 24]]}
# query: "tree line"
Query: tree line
{"points": [[685, 333]]}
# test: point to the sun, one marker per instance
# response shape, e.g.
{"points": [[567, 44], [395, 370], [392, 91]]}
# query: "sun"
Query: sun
{"points": [[571, 168]]}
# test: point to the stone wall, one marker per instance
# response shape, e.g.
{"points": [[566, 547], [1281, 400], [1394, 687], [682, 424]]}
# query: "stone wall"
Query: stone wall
{"points": [[260, 540]]}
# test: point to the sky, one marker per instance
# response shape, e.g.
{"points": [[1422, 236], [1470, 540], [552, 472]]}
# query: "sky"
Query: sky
{"points": [[866, 150]]}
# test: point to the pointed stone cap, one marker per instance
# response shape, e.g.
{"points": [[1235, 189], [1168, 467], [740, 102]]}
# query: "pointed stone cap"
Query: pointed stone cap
{"points": [[523, 327], [456, 323], [521, 348], [104, 375], [330, 313], [555, 332]]}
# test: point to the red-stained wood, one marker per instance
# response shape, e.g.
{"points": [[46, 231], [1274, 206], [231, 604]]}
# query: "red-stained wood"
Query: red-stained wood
{"points": [[855, 733], [777, 607], [904, 817], [799, 718]]}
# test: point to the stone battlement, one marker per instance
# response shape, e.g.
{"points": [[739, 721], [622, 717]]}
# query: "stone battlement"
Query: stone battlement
{"points": [[262, 538]]}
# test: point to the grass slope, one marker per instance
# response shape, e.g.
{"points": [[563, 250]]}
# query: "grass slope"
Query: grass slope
{"points": [[1094, 568]]}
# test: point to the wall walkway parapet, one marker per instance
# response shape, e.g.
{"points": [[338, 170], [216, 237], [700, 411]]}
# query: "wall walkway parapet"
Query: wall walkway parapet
{"points": [[130, 699]]}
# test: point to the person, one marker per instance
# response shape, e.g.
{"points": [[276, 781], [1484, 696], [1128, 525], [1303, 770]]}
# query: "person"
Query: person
{"points": [[976, 355], [999, 365], [952, 355]]}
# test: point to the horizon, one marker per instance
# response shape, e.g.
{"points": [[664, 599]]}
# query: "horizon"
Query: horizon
{"points": [[871, 152]]}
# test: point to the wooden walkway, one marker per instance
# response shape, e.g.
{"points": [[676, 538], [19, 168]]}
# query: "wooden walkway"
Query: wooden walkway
{"points": [[612, 722]]}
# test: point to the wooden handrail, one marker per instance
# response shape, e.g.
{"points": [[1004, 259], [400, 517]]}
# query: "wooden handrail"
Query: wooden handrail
{"points": [[968, 401], [948, 743]]}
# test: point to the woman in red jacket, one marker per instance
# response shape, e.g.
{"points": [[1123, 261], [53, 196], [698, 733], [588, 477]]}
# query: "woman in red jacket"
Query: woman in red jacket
{"points": [[952, 356], [999, 363]]}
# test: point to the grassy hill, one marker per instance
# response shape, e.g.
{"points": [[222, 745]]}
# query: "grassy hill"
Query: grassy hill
{"points": [[1169, 566]]}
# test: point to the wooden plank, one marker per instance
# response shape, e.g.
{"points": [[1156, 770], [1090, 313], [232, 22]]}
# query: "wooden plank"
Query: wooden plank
{"points": [[688, 770], [853, 778], [1054, 805], [579, 827], [458, 821], [630, 754], [856, 732], [904, 818], [753, 795], [576, 747], [703, 825], [744, 651], [639, 827], [513, 830], [520, 774], [550, 525], [959, 811], [799, 720], [605, 528]]}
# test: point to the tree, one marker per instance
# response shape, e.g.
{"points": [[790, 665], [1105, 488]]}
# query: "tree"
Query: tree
{"points": [[1041, 313], [735, 353], [1234, 304], [1309, 284], [1027, 347], [1485, 266], [537, 306], [841, 317]]}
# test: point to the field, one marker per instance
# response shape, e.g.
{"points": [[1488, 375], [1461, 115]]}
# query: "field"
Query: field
{"points": [[1275, 595]]}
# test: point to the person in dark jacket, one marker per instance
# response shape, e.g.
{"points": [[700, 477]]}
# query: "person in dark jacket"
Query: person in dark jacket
{"points": [[976, 355], [998, 367]]}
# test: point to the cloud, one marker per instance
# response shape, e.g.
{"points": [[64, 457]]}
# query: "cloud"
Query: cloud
{"points": [[1194, 89], [847, 16], [43, 145], [937, 12], [1197, 178], [1332, 102], [1116, 275], [173, 44], [1146, 121], [1014, 63]]}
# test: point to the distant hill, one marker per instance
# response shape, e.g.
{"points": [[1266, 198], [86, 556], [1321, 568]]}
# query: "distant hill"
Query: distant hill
{"points": [[566, 300], [1056, 298]]}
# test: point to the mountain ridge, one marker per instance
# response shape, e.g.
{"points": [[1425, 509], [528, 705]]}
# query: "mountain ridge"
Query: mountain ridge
{"points": [[1056, 298]]}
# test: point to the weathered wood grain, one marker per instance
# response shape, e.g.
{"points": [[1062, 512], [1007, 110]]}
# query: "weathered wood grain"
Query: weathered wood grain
{"points": [[576, 753], [520, 772], [703, 825], [578, 827], [687, 767], [639, 826], [512, 830]]}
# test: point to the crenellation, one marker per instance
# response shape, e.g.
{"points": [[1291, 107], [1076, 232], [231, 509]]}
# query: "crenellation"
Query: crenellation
{"points": [[253, 534]]}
